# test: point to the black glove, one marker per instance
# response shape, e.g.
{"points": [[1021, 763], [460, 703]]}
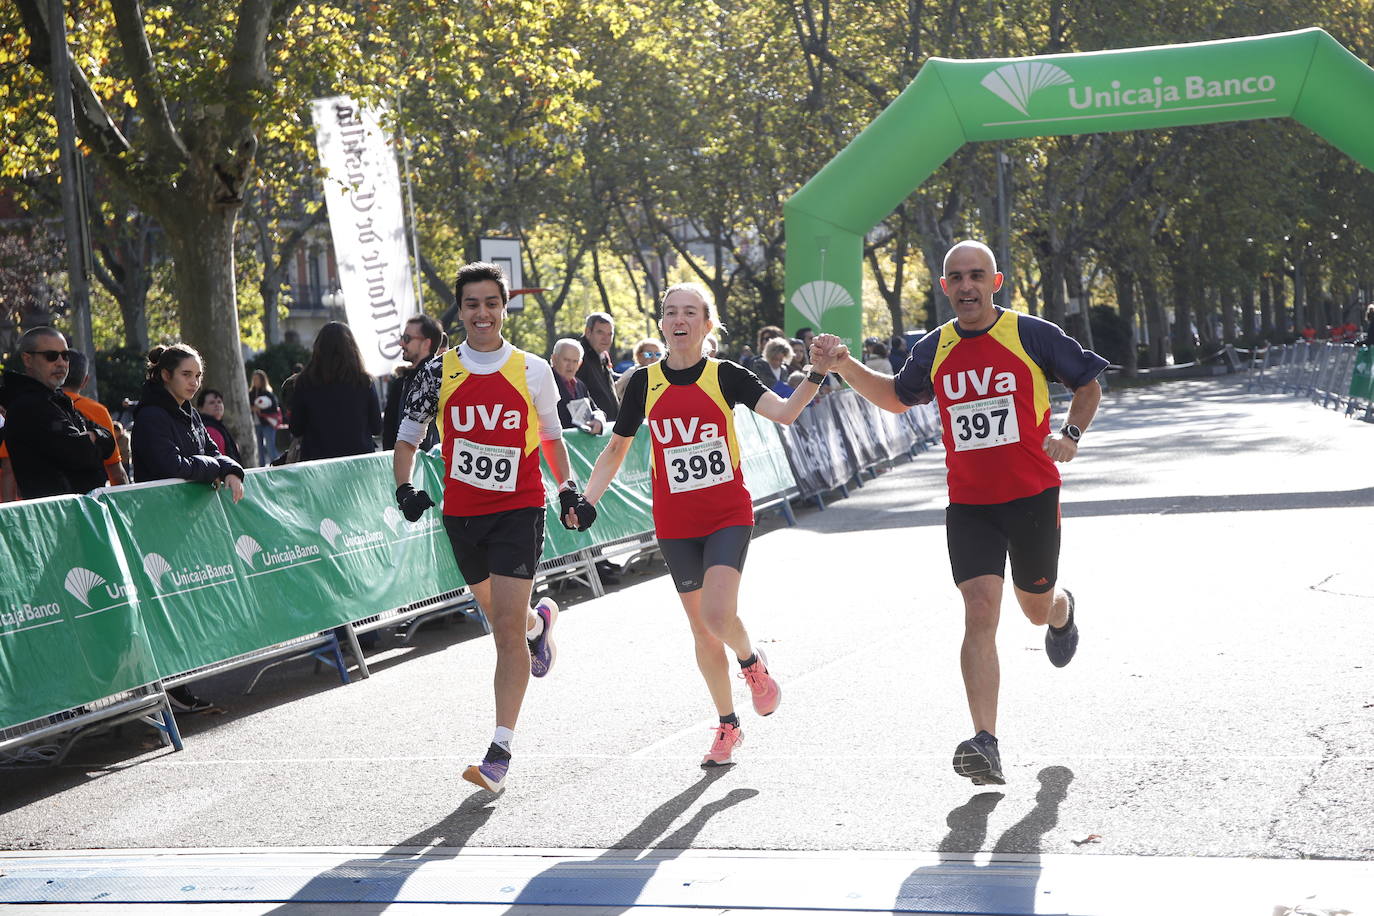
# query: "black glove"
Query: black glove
{"points": [[571, 500], [412, 502]]}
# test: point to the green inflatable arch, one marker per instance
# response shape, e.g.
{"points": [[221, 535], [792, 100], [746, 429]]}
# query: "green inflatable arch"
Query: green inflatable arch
{"points": [[1306, 75]]}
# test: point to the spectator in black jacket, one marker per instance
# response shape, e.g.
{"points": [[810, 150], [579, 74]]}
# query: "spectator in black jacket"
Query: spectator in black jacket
{"points": [[169, 437], [53, 448], [335, 411], [170, 440], [596, 372], [421, 340]]}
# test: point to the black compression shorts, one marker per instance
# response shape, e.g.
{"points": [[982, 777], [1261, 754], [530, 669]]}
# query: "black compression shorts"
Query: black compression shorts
{"points": [[689, 558], [982, 537], [505, 543]]}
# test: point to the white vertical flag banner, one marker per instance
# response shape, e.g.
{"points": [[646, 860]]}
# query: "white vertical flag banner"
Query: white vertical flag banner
{"points": [[367, 222]]}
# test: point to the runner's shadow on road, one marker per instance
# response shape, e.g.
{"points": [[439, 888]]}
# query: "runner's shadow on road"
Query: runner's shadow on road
{"points": [[613, 881], [959, 885], [370, 886]]}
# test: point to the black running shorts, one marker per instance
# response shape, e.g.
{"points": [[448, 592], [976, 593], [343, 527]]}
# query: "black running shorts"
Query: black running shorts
{"points": [[505, 543], [982, 537], [689, 558]]}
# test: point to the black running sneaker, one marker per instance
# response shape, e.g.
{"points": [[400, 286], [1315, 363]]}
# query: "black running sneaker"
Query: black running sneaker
{"points": [[183, 700], [979, 760], [1062, 642]]}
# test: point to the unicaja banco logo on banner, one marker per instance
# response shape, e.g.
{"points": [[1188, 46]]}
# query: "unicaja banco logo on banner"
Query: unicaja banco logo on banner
{"points": [[338, 538], [249, 550], [185, 578], [80, 582], [1017, 83]]}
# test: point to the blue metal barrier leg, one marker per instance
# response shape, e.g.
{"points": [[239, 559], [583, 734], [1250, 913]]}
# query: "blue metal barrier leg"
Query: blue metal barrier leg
{"points": [[792, 519], [332, 654], [164, 721]]}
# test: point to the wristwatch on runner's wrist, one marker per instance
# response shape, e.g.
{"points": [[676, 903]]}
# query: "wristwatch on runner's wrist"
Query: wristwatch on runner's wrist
{"points": [[1072, 432]]}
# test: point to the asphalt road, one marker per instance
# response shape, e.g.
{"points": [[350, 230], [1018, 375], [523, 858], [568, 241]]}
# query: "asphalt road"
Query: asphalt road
{"points": [[1221, 704]]}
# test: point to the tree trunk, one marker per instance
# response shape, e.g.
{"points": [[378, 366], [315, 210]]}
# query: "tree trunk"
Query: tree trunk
{"points": [[1267, 324], [1156, 320], [1124, 279], [202, 249], [1300, 316], [1284, 320], [1247, 314], [1181, 334], [1228, 314]]}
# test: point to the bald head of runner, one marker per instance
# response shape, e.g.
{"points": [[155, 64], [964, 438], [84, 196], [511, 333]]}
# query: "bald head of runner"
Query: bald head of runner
{"points": [[970, 281]]}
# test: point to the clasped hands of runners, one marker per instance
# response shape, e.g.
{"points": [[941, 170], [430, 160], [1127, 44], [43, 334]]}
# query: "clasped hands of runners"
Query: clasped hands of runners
{"points": [[573, 509], [826, 351]]}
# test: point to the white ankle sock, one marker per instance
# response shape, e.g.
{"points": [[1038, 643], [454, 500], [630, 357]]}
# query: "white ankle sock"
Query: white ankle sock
{"points": [[503, 737], [533, 630]]}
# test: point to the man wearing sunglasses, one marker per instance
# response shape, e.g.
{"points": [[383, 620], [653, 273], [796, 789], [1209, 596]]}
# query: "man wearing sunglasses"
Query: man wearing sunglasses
{"points": [[421, 340], [53, 448]]}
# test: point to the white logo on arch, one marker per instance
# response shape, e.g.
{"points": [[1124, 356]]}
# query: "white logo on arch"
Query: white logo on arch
{"points": [[1016, 83], [816, 298]]}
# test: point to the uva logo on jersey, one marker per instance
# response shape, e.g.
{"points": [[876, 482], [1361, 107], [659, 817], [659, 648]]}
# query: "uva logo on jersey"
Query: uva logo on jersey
{"points": [[957, 384], [692, 429], [465, 417]]}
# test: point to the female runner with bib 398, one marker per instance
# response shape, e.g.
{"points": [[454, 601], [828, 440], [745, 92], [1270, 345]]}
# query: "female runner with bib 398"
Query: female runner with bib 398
{"points": [[703, 515]]}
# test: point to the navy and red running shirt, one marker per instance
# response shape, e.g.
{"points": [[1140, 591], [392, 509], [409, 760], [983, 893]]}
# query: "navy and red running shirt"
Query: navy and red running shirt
{"points": [[992, 387], [698, 484]]}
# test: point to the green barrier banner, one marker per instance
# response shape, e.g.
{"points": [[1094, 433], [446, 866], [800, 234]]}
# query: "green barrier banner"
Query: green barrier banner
{"points": [[766, 470], [1362, 378], [309, 547], [99, 595], [70, 631]]}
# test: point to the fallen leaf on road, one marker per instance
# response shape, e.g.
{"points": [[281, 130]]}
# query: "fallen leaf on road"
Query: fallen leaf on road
{"points": [[1090, 838]]}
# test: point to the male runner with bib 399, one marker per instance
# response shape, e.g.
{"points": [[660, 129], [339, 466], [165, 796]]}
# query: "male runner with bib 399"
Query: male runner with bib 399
{"points": [[496, 408], [988, 369], [703, 514]]}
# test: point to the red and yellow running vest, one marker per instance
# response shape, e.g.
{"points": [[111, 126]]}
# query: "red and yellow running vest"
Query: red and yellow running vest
{"points": [[995, 407], [490, 435], [698, 484]]}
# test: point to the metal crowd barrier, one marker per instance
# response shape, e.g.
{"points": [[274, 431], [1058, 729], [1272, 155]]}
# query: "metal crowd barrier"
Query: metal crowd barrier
{"points": [[1337, 376]]}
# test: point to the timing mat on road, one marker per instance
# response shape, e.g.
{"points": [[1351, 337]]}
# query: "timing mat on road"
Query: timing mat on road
{"points": [[714, 879]]}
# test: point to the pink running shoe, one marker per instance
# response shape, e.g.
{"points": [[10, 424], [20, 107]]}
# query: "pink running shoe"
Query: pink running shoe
{"points": [[727, 738], [767, 692]]}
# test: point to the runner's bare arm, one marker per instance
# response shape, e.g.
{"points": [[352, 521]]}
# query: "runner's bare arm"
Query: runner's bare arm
{"points": [[556, 454], [779, 411], [612, 457], [878, 387], [403, 461], [1082, 409]]}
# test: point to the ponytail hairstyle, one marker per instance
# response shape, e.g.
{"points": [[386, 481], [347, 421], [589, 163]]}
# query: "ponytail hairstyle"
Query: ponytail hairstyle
{"points": [[166, 359]]}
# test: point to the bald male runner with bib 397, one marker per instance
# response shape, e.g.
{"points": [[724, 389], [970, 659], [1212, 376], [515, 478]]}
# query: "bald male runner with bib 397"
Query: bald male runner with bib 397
{"points": [[989, 370]]}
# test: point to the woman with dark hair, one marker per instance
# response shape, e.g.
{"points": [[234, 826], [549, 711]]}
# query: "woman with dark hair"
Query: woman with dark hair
{"points": [[210, 405], [266, 409], [169, 440], [334, 409]]}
